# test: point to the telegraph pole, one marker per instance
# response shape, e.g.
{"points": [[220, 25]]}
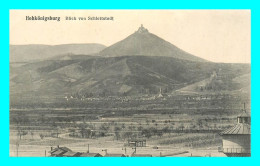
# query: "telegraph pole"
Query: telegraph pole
{"points": [[134, 149], [17, 146], [124, 149], [105, 150]]}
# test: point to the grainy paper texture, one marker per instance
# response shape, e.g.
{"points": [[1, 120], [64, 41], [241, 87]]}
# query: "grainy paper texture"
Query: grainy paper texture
{"points": [[134, 83]]}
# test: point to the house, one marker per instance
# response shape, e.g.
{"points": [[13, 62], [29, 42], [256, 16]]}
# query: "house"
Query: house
{"points": [[236, 141], [114, 155], [137, 142], [179, 153], [90, 155], [71, 154], [141, 155], [58, 151]]}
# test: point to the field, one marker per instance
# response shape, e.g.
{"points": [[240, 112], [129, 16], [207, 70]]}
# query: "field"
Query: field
{"points": [[170, 125]]}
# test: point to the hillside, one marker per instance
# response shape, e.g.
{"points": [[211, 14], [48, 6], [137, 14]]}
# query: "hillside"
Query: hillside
{"points": [[25, 53], [113, 76], [144, 43], [220, 81]]}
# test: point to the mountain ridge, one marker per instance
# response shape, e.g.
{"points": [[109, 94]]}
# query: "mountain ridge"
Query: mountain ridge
{"points": [[34, 52], [144, 43]]}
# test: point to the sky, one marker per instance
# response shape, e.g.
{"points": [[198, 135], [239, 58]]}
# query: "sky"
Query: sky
{"points": [[215, 35]]}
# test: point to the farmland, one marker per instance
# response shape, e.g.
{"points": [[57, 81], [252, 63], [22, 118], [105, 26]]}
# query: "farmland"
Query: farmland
{"points": [[171, 123]]}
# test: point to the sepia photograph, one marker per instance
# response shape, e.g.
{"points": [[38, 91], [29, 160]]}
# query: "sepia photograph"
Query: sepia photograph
{"points": [[130, 83]]}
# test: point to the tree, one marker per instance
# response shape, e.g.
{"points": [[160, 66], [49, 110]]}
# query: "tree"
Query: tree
{"points": [[92, 134], [199, 123], [82, 131], [32, 134], [117, 134], [156, 124], [57, 132], [85, 133], [123, 126], [72, 131], [103, 129], [42, 119], [127, 135], [147, 122], [22, 133], [146, 133], [153, 130], [42, 136], [130, 128], [181, 126], [166, 130], [21, 119], [215, 126], [159, 133], [140, 128], [192, 126]]}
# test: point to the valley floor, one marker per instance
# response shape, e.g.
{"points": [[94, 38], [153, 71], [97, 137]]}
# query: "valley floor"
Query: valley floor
{"points": [[37, 147]]}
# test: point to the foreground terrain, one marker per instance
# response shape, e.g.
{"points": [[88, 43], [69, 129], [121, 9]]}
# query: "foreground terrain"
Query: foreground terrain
{"points": [[170, 125]]}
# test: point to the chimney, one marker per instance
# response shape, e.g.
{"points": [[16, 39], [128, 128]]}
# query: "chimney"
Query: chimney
{"points": [[105, 151]]}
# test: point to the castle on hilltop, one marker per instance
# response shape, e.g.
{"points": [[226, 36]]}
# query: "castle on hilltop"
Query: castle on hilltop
{"points": [[142, 29]]}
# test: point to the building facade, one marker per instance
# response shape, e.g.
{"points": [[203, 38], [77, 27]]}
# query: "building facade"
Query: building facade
{"points": [[236, 141]]}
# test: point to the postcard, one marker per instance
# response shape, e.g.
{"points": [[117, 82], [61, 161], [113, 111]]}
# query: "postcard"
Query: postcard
{"points": [[130, 83]]}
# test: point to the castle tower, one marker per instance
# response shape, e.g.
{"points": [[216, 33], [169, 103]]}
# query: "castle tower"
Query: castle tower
{"points": [[142, 29]]}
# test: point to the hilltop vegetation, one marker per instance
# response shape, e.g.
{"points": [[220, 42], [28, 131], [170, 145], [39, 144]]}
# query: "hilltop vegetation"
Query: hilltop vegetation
{"points": [[129, 75]]}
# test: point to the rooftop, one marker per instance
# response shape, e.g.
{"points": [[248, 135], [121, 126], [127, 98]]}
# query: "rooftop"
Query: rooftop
{"points": [[70, 153], [240, 128], [58, 152], [244, 114], [141, 155], [114, 155], [90, 155]]}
